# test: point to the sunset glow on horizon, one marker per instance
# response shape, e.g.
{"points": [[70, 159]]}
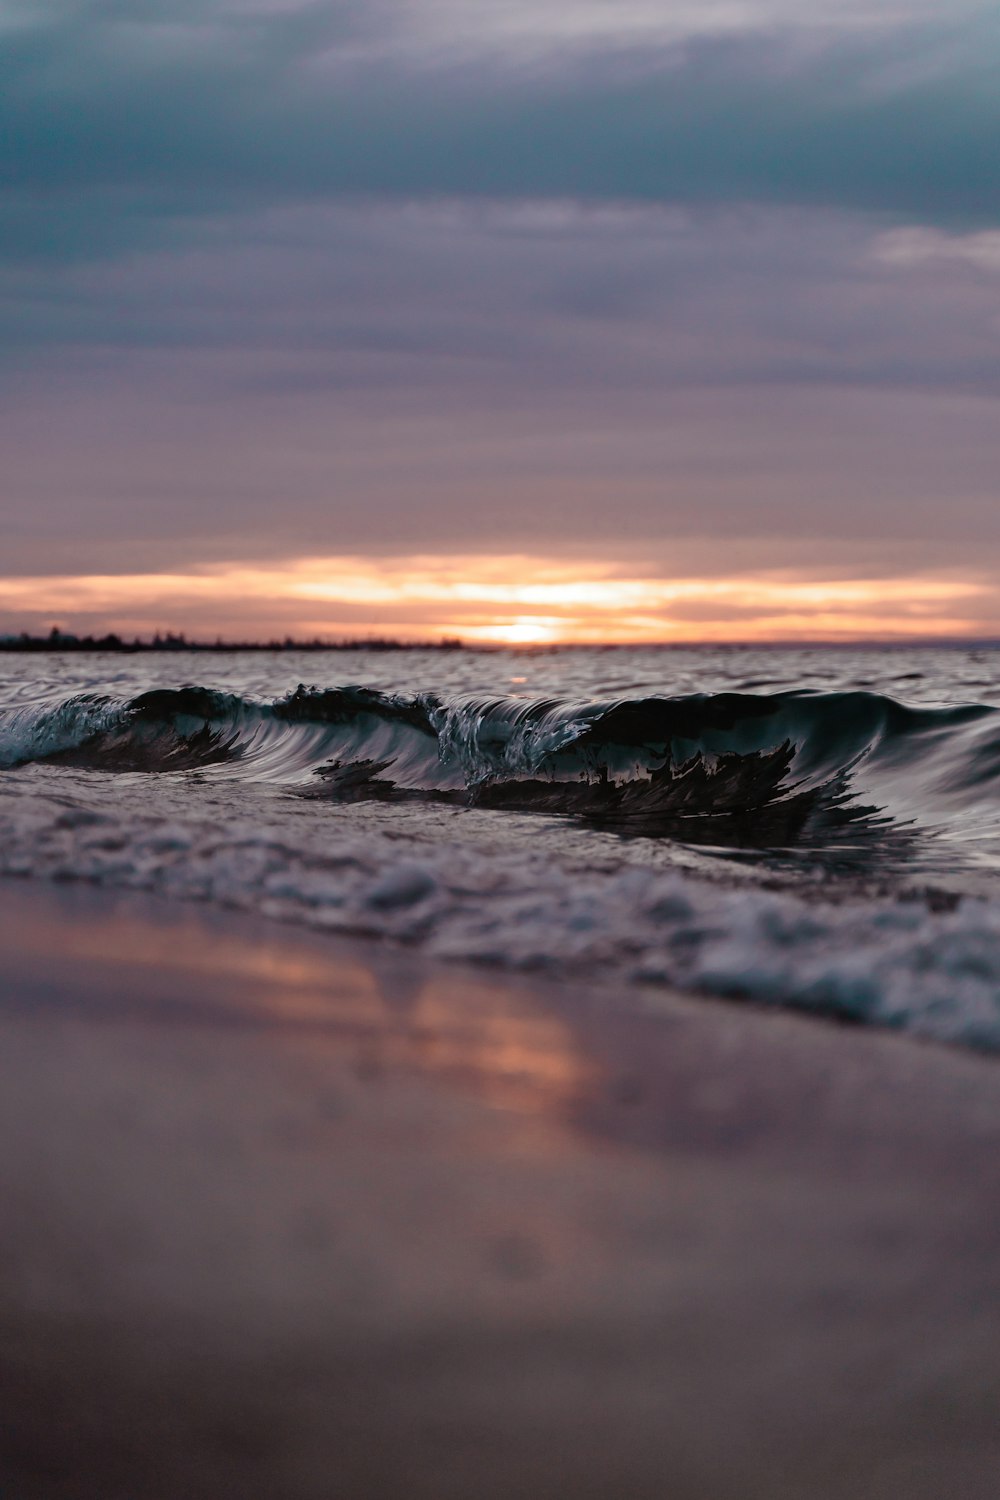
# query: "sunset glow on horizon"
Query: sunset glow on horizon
{"points": [[514, 600]]}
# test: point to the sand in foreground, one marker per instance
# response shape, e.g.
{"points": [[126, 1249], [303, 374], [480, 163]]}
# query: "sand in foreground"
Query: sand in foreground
{"points": [[290, 1219]]}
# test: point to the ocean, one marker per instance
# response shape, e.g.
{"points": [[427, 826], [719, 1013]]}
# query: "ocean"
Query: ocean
{"points": [[814, 828]]}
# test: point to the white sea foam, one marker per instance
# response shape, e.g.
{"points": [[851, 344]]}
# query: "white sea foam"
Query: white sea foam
{"points": [[888, 962]]}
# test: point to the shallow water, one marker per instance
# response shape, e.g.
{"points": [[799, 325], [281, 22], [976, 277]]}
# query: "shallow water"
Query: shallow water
{"points": [[819, 828]]}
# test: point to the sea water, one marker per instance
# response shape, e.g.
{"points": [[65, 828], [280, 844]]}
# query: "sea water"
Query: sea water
{"points": [[814, 828]]}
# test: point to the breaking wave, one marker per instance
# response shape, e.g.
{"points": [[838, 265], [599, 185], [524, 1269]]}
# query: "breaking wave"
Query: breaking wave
{"points": [[762, 770]]}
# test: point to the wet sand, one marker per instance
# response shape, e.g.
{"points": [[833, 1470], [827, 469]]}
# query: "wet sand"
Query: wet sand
{"points": [[294, 1218]]}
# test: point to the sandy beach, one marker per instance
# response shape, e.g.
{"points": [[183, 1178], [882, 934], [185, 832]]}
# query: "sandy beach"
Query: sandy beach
{"points": [[298, 1218]]}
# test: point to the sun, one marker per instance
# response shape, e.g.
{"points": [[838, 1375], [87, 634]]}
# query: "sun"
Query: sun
{"points": [[526, 630]]}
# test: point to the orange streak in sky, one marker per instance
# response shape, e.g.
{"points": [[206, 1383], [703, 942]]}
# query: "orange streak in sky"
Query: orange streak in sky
{"points": [[515, 599]]}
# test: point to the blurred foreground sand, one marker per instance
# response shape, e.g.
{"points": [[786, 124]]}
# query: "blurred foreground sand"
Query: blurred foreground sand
{"points": [[290, 1219]]}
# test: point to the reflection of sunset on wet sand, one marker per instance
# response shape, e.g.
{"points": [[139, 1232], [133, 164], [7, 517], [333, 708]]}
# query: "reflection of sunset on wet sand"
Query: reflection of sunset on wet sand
{"points": [[514, 600], [281, 1209], [383, 1007]]}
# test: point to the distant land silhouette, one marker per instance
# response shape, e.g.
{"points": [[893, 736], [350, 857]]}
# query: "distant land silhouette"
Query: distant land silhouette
{"points": [[59, 640]]}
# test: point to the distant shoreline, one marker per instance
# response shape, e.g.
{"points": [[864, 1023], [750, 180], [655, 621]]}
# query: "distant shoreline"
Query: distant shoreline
{"points": [[171, 642], [57, 641]]}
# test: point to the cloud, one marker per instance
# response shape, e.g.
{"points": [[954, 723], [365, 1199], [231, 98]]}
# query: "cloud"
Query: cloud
{"points": [[688, 282], [453, 376], [503, 598], [920, 246], [469, 299], [121, 124]]}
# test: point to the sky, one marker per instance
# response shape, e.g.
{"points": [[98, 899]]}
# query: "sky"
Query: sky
{"points": [[560, 320]]}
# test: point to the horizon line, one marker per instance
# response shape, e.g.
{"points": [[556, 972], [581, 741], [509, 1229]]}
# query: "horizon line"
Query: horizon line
{"points": [[169, 640]]}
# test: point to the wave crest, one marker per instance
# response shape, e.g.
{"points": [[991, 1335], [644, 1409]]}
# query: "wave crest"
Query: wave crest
{"points": [[764, 769]]}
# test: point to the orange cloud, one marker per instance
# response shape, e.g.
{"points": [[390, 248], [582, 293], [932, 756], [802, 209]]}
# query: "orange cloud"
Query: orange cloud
{"points": [[514, 599]]}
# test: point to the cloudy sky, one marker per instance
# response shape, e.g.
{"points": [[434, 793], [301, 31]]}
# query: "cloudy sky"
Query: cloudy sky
{"points": [[514, 319]]}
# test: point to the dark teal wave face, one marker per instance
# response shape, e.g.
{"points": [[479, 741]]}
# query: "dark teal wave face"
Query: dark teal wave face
{"points": [[854, 774]]}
